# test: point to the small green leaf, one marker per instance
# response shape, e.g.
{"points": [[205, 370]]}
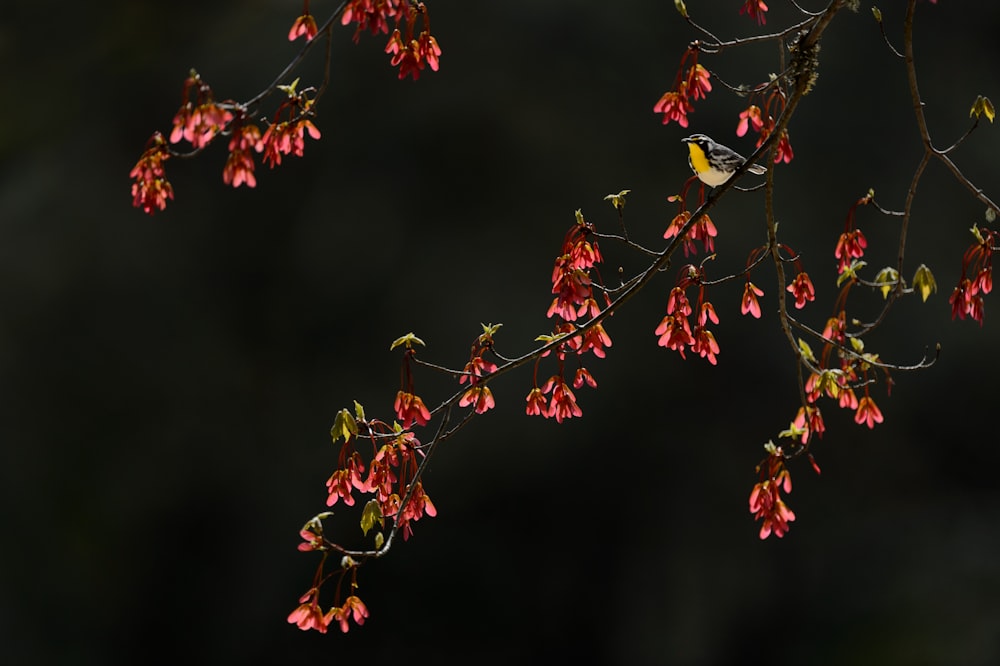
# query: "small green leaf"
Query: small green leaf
{"points": [[290, 89], [579, 217], [681, 8], [851, 272], [617, 200], [829, 382], [379, 540], [489, 330], [359, 411], [988, 109], [877, 14], [887, 279], [806, 351], [344, 426], [983, 106], [923, 281], [793, 432], [371, 514], [978, 235], [409, 340], [867, 360], [550, 338], [991, 215]]}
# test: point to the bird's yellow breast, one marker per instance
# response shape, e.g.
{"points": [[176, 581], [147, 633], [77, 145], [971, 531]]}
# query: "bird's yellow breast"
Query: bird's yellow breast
{"points": [[698, 160]]}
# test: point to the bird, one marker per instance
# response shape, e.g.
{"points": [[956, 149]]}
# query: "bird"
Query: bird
{"points": [[714, 163]]}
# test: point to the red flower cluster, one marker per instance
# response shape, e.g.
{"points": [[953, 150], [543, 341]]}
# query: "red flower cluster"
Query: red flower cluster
{"points": [[286, 138], [571, 274], [836, 328], [311, 540], [808, 422], [411, 55], [393, 462], [750, 118], [411, 51], [198, 121], [408, 406], [762, 119], [802, 289], [480, 397], [345, 480], [755, 9], [967, 298], [151, 189], [967, 301], [838, 384], [411, 409], [595, 340], [675, 330], [200, 118], [850, 246], [418, 506], [537, 405], [240, 165], [574, 299], [868, 412], [399, 454], [765, 499], [834, 384], [353, 608], [286, 133], [476, 370], [303, 25], [563, 404], [749, 303], [852, 243], [309, 615], [373, 15], [390, 475], [691, 83], [703, 230]]}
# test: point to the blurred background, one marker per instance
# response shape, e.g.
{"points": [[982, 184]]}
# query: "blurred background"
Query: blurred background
{"points": [[167, 384]]}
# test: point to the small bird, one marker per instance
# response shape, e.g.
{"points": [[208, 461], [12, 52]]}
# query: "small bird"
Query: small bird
{"points": [[714, 163]]}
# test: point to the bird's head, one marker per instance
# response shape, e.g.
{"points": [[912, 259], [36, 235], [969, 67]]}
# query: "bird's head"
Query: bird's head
{"points": [[700, 140]]}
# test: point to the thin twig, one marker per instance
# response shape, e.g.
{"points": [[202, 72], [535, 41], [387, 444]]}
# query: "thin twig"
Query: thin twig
{"points": [[297, 60], [628, 243], [961, 139], [918, 110], [711, 283], [718, 45], [885, 38], [923, 363]]}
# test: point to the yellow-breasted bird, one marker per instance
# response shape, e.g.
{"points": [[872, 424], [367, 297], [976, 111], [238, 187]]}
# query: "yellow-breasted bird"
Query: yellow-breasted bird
{"points": [[714, 163]]}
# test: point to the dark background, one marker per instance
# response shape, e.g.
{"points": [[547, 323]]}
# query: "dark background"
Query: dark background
{"points": [[167, 384]]}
